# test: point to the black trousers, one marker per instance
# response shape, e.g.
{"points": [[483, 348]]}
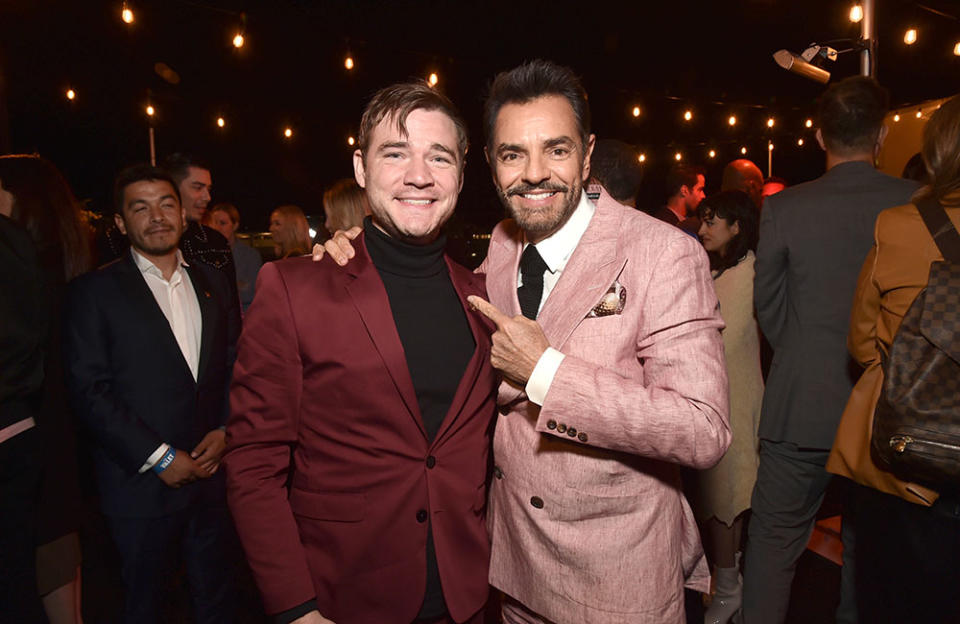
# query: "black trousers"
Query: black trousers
{"points": [[907, 559], [20, 473], [152, 549]]}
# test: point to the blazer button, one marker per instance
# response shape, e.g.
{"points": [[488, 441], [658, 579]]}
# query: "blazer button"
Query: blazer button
{"points": [[551, 424], [431, 461], [422, 516], [537, 502], [561, 428], [497, 472], [572, 432], [582, 436]]}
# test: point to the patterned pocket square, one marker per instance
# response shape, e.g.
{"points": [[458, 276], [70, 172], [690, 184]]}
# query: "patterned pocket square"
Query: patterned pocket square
{"points": [[612, 302]]}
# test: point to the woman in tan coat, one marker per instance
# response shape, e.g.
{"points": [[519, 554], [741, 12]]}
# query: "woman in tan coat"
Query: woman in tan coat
{"points": [[720, 495], [908, 536]]}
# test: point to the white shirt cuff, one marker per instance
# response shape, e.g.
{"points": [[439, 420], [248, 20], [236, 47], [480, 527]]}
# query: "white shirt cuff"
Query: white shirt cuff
{"points": [[156, 456], [543, 374]]}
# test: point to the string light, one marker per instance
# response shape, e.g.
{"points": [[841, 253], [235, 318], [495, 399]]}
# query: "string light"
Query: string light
{"points": [[800, 142], [919, 114], [732, 120], [71, 94], [712, 154], [642, 157], [956, 49], [288, 132], [678, 156], [150, 110], [351, 141], [241, 30], [433, 79], [808, 123], [743, 150], [221, 122], [348, 62], [856, 13], [238, 40], [126, 14], [688, 115], [636, 109], [770, 122], [910, 37], [896, 117]]}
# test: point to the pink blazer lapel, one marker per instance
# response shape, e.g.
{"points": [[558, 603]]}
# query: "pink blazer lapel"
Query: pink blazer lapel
{"points": [[593, 267], [501, 268]]}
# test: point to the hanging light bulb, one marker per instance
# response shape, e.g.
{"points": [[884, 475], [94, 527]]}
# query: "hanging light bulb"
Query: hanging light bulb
{"points": [[800, 142], [743, 150], [150, 110], [856, 13], [910, 37], [126, 14], [433, 79], [956, 49], [770, 122], [732, 120], [221, 122], [919, 114], [808, 123], [636, 111], [678, 156], [238, 40], [688, 115], [348, 62], [642, 157], [712, 154], [351, 141], [288, 132], [71, 94], [770, 146], [896, 117]]}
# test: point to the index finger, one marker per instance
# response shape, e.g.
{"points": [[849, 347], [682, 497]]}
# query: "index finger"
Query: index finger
{"points": [[488, 310]]}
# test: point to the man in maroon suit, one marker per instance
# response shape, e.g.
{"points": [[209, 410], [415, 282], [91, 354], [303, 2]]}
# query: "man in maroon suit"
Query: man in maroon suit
{"points": [[362, 400]]}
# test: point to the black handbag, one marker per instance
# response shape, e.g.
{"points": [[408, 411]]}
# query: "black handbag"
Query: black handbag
{"points": [[916, 425]]}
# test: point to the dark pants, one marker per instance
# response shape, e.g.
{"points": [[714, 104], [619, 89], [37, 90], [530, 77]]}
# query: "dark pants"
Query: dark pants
{"points": [[151, 550], [791, 484], [908, 559], [20, 473]]}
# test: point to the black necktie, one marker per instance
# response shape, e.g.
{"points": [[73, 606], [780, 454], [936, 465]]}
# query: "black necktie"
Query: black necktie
{"points": [[532, 268]]}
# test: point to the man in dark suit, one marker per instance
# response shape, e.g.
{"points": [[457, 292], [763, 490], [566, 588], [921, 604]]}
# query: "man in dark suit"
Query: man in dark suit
{"points": [[149, 347], [684, 193], [363, 398], [813, 239]]}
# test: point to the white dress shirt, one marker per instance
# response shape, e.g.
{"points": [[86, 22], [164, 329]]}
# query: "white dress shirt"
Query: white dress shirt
{"points": [[556, 251], [178, 301]]}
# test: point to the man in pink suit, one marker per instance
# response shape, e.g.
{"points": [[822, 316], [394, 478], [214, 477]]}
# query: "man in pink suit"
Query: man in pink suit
{"points": [[618, 382], [357, 450]]}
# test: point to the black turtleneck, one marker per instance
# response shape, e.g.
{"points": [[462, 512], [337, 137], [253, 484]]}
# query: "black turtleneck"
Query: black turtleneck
{"points": [[436, 339]]}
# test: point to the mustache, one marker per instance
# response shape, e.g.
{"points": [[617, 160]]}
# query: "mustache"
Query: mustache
{"points": [[530, 188]]}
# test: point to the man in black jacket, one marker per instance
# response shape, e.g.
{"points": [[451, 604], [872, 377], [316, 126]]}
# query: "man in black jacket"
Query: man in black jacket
{"points": [[149, 347]]}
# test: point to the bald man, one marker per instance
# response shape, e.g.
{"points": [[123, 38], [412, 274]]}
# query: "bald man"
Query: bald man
{"points": [[743, 175]]}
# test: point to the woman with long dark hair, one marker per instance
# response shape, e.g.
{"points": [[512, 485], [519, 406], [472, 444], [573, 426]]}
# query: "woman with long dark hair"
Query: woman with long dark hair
{"points": [[43, 204], [720, 496]]}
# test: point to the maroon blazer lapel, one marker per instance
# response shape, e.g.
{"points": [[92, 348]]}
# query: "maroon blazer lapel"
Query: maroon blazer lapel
{"points": [[466, 284], [369, 296]]}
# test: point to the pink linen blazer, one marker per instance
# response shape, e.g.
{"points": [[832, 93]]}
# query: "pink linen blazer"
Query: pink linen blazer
{"points": [[587, 518]]}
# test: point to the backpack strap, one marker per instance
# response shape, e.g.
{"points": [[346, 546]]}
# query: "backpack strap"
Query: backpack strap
{"points": [[944, 235]]}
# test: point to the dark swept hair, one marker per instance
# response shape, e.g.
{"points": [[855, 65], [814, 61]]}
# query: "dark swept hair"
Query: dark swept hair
{"points": [[398, 101], [178, 166], [941, 151], [732, 207], [44, 204], [532, 80], [682, 175], [614, 165], [139, 173], [850, 114]]}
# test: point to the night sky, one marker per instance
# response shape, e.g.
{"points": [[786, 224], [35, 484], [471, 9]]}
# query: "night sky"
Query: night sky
{"points": [[713, 58]]}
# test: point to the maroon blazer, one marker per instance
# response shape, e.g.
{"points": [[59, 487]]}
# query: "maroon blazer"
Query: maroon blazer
{"points": [[330, 476]]}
